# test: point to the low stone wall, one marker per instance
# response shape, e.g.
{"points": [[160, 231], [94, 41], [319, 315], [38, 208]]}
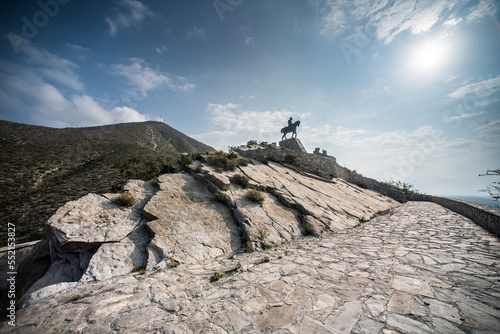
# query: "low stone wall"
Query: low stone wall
{"points": [[483, 215]]}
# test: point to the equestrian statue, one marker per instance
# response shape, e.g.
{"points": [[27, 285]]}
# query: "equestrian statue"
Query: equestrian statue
{"points": [[292, 127]]}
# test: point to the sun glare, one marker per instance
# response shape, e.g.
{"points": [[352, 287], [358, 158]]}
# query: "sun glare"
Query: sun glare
{"points": [[429, 57]]}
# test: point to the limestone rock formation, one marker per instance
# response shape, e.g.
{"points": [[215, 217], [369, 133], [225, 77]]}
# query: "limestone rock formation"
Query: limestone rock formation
{"points": [[189, 224], [189, 218]]}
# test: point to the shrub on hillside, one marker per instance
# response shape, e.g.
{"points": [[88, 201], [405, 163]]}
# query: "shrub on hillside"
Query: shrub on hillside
{"points": [[290, 158], [125, 199], [224, 161], [255, 195], [241, 179]]}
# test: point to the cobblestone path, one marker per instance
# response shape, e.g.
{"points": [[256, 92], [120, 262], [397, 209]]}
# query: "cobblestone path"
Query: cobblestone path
{"points": [[419, 269]]}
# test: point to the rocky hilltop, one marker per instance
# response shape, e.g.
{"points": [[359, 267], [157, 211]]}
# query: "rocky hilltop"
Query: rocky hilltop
{"points": [[231, 244], [42, 168]]}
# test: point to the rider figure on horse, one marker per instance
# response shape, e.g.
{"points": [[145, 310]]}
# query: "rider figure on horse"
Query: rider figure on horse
{"points": [[292, 127]]}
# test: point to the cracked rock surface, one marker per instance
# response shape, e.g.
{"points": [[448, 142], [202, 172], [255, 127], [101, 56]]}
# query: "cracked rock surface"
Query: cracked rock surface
{"points": [[418, 269], [93, 239]]}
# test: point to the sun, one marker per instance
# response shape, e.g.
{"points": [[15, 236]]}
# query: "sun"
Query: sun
{"points": [[429, 57]]}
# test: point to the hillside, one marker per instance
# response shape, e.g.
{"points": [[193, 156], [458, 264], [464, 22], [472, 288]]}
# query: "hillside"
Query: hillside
{"points": [[42, 168]]}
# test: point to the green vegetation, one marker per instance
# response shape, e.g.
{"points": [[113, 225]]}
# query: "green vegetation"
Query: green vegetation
{"points": [[240, 179], [223, 161], [216, 276], [264, 245], [308, 228], [76, 297], [290, 158], [251, 142], [243, 161], [222, 198], [248, 247], [362, 185], [255, 195], [406, 188], [125, 199], [362, 219], [262, 232], [140, 269]]}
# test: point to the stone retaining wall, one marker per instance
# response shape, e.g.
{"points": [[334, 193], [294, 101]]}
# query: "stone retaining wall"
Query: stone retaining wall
{"points": [[483, 215]]}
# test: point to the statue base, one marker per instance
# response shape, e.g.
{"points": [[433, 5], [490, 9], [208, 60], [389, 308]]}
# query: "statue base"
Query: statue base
{"points": [[293, 144]]}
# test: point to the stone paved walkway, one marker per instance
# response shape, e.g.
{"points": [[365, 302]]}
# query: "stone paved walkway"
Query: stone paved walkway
{"points": [[419, 269]]}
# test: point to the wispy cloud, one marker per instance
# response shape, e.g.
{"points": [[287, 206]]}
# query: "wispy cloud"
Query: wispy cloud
{"points": [[195, 32], [233, 124], [161, 49], [129, 13], [490, 131], [386, 19], [481, 89], [77, 48], [142, 78], [51, 66], [483, 9]]}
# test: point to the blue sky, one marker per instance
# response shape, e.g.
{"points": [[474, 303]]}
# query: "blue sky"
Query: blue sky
{"points": [[397, 90]]}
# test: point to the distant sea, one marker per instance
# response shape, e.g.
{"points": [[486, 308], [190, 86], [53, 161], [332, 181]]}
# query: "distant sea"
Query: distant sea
{"points": [[478, 199]]}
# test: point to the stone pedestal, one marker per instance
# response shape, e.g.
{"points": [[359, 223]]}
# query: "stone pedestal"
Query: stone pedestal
{"points": [[293, 144]]}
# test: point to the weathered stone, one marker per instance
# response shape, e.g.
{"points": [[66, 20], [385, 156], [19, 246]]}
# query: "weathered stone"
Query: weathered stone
{"points": [[443, 310], [403, 303], [294, 287], [407, 324], [191, 225], [344, 319], [370, 326], [311, 326], [442, 326], [412, 286], [219, 180], [278, 317], [46, 292]]}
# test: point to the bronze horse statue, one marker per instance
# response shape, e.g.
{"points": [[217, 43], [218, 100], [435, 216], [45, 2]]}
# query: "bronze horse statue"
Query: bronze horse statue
{"points": [[291, 128]]}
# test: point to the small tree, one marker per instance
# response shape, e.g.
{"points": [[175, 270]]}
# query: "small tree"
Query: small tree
{"points": [[494, 188]]}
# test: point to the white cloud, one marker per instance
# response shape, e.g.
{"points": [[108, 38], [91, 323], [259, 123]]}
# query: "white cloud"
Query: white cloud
{"points": [[129, 14], [484, 8], [161, 49], [51, 66], [481, 89], [25, 92], [143, 78], [490, 131], [453, 21], [77, 48], [231, 124], [387, 19], [196, 32]]}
